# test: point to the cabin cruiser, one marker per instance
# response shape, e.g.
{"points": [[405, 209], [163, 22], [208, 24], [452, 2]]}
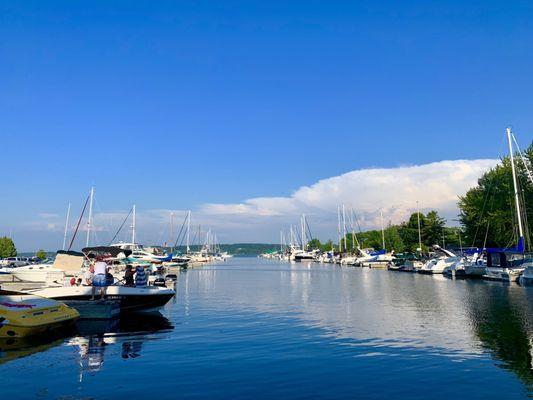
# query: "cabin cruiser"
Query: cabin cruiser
{"points": [[66, 263], [437, 265], [302, 255], [38, 273], [506, 264], [139, 252], [371, 257]]}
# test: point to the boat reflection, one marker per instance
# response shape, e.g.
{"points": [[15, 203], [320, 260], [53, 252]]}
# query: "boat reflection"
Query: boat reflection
{"points": [[94, 337]]}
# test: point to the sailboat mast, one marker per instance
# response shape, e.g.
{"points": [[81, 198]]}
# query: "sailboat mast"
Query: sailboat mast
{"points": [[419, 232], [515, 184], [171, 229], [339, 227], [382, 229], [90, 219], [188, 230], [303, 232], [66, 227], [133, 226], [344, 227]]}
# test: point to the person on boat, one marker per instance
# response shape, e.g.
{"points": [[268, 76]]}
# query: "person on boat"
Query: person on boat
{"points": [[100, 278], [140, 276], [128, 276]]}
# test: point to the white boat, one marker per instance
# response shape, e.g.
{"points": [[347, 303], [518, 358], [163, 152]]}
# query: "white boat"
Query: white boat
{"points": [[38, 273], [66, 263], [508, 264], [148, 298], [438, 264]]}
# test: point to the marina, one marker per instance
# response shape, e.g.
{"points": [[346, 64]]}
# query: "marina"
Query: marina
{"points": [[266, 200], [255, 327]]}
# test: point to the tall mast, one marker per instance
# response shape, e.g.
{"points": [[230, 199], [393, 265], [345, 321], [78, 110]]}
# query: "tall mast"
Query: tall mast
{"points": [[303, 232], [66, 227], [133, 226], [339, 227], [419, 232], [188, 230], [515, 184], [90, 219], [281, 242], [172, 229], [382, 229], [344, 227]]}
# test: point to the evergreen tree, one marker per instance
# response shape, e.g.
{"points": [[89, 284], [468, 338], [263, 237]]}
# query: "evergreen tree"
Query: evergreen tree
{"points": [[7, 247]]}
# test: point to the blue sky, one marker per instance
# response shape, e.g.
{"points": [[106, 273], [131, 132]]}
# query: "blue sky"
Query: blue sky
{"points": [[177, 104]]}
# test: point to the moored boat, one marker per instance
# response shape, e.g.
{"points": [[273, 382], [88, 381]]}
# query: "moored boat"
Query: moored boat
{"points": [[147, 298], [23, 315]]}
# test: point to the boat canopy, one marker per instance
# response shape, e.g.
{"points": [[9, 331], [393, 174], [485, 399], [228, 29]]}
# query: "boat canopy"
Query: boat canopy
{"points": [[106, 251]]}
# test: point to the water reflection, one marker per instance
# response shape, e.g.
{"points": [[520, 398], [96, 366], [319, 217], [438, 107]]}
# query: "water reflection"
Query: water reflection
{"points": [[91, 338], [502, 319], [130, 332], [381, 312]]}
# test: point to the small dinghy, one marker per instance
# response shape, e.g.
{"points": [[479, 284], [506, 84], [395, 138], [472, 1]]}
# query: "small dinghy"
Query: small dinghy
{"points": [[23, 315]]}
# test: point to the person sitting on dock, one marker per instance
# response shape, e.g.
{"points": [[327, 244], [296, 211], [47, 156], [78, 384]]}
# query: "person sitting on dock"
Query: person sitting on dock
{"points": [[140, 277], [100, 278], [128, 276]]}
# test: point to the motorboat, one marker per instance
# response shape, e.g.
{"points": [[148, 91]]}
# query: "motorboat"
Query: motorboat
{"points": [[23, 315], [305, 255], [38, 273], [147, 298], [508, 264], [444, 258], [66, 263]]}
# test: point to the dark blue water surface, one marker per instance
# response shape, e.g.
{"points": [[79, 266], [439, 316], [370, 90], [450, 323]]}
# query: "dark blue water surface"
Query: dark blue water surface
{"points": [[259, 329]]}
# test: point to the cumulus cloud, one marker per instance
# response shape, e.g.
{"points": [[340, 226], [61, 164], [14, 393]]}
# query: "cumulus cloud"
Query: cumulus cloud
{"points": [[393, 191]]}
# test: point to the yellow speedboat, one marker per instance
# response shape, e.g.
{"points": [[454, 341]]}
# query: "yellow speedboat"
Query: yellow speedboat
{"points": [[24, 315]]}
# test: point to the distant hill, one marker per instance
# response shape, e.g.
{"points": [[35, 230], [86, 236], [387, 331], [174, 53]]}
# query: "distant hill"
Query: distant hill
{"points": [[237, 249], [240, 249]]}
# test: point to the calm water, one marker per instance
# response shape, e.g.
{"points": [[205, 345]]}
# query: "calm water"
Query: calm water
{"points": [[261, 329]]}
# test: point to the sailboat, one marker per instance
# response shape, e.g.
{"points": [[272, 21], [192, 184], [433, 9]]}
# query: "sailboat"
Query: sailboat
{"points": [[507, 264]]}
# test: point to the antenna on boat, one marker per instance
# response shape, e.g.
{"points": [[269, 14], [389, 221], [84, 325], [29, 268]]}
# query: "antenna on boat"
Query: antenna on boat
{"points": [[66, 228], [515, 185], [90, 219]]}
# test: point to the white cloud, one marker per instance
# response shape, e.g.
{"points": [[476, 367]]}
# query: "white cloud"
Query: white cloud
{"points": [[395, 191]]}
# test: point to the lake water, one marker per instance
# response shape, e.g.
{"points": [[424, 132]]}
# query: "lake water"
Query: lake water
{"points": [[260, 329]]}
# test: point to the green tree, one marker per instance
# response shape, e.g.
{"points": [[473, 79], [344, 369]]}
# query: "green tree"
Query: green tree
{"points": [[41, 255], [408, 231], [7, 247], [314, 244], [434, 229], [328, 246], [487, 211]]}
